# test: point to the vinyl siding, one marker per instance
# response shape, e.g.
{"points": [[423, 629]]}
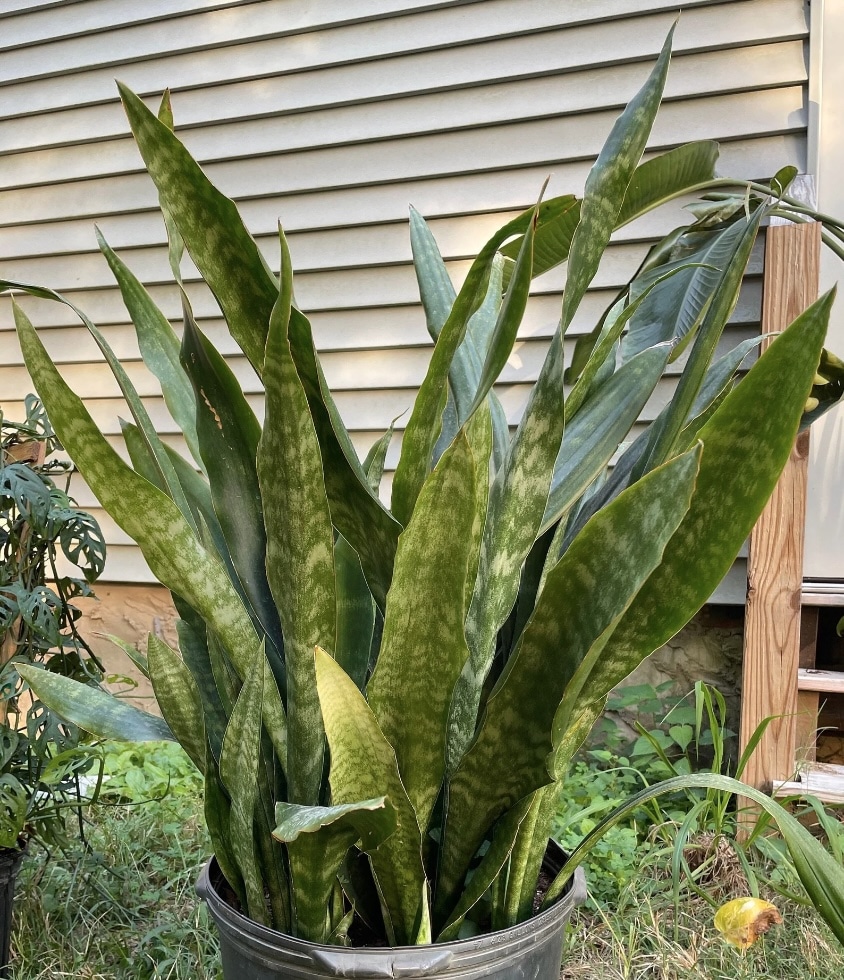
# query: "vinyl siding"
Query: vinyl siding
{"points": [[333, 118]]}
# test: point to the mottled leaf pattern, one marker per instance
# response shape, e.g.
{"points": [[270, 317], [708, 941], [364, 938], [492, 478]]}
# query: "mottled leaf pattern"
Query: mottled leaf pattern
{"points": [[363, 766], [300, 553]]}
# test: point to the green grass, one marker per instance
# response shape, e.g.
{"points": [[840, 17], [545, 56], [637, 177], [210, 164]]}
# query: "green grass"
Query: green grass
{"points": [[126, 908], [638, 941]]}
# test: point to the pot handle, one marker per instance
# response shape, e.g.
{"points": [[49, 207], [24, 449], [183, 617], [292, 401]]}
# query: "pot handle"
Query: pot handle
{"points": [[400, 965]]}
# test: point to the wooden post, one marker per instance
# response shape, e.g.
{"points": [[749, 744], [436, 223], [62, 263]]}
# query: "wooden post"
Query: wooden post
{"points": [[775, 562]]}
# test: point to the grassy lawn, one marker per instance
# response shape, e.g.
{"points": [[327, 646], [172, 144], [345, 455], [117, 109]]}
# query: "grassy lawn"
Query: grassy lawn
{"points": [[126, 908]]}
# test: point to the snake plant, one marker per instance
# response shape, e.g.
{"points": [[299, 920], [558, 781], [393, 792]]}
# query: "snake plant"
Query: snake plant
{"points": [[384, 700]]}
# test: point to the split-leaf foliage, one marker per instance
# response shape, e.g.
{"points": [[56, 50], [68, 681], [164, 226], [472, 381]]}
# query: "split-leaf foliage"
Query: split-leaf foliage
{"points": [[383, 701]]}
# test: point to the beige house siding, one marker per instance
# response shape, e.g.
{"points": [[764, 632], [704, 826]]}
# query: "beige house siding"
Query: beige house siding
{"points": [[333, 117]]}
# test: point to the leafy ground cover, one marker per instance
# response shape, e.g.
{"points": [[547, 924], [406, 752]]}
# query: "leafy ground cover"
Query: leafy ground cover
{"points": [[125, 909]]}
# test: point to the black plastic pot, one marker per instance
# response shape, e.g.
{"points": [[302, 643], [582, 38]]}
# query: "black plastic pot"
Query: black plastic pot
{"points": [[529, 951], [10, 863]]}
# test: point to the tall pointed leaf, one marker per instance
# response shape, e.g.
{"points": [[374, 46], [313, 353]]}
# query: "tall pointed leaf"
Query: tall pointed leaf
{"points": [[148, 516], [423, 646], [94, 710], [607, 183], [239, 762], [228, 434], [159, 347], [178, 697], [223, 250], [363, 766], [300, 552]]}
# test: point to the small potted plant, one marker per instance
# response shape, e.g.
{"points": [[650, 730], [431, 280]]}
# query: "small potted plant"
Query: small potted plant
{"points": [[384, 701], [40, 755]]}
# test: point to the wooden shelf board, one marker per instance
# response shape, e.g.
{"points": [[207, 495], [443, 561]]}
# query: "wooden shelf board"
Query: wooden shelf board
{"points": [[819, 779], [827, 681]]}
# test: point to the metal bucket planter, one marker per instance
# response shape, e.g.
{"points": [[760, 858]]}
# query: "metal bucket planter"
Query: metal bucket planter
{"points": [[10, 862], [531, 950]]}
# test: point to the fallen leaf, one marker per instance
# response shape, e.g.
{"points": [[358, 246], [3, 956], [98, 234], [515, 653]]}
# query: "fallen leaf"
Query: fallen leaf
{"points": [[743, 920]]}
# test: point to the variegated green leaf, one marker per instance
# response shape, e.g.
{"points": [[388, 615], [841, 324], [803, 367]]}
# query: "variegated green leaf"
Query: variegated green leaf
{"points": [[527, 856], [228, 434], [595, 433], [423, 646], [586, 593], [178, 697], [363, 766], [517, 502], [239, 763], [509, 317], [373, 464], [720, 306], [92, 709], [607, 184], [159, 347], [746, 444], [318, 838], [194, 647], [356, 510], [223, 250], [154, 444], [217, 810], [503, 838], [355, 613], [425, 424], [300, 552], [148, 516]]}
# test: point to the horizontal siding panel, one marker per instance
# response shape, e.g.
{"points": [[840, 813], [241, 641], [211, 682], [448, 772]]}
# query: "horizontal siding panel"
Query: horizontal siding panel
{"points": [[284, 99], [243, 29], [257, 186], [501, 145]]}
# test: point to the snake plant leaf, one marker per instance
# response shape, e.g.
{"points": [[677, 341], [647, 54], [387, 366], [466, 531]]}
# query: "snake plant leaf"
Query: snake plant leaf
{"points": [[216, 238], [437, 294], [194, 648], [92, 709], [318, 838], [679, 171], [595, 433], [217, 811], [717, 311], [228, 434], [503, 839], [178, 697], [355, 613], [423, 646], [375, 459], [674, 307], [371, 821], [607, 184], [139, 413], [175, 242], [136, 657], [517, 501], [147, 515], [586, 594], [300, 552], [425, 424], [196, 490], [159, 347], [746, 444], [821, 875], [527, 856], [356, 510], [363, 766], [239, 762], [509, 316]]}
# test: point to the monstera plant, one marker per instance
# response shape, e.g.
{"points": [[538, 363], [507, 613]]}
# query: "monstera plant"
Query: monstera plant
{"points": [[384, 701]]}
